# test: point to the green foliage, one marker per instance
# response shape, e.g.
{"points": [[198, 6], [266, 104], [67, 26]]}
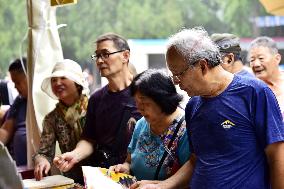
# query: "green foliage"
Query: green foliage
{"points": [[13, 24], [238, 15], [131, 18]]}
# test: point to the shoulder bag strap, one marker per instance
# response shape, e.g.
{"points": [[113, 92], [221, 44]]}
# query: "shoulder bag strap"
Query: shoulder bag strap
{"points": [[169, 147]]}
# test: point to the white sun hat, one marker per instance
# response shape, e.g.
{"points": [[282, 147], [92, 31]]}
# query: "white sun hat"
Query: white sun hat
{"points": [[69, 69]]}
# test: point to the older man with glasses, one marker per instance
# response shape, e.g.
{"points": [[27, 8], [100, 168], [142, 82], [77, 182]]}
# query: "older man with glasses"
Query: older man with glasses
{"points": [[234, 123], [111, 110]]}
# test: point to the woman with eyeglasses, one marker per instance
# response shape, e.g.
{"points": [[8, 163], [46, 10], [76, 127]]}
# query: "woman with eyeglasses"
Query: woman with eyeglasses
{"points": [[159, 144]]}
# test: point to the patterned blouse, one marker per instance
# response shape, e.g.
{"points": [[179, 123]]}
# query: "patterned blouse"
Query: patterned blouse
{"points": [[55, 128], [65, 125]]}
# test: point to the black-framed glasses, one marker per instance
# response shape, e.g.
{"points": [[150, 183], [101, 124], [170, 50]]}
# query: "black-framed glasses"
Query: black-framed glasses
{"points": [[104, 55]]}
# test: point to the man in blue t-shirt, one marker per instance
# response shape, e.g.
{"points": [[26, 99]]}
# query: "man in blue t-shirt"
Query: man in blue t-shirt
{"points": [[234, 123], [13, 130]]}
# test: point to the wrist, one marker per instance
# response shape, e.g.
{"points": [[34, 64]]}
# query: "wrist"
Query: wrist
{"points": [[37, 157], [126, 166], [77, 155]]}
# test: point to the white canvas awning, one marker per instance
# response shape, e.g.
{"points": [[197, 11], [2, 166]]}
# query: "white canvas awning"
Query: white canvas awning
{"points": [[44, 49]]}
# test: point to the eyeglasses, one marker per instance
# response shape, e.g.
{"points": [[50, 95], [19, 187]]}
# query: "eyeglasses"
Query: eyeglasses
{"points": [[104, 55], [177, 77]]}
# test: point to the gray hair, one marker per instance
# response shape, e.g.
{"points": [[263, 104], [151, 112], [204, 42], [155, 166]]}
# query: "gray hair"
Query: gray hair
{"points": [[264, 41], [120, 42], [195, 44]]}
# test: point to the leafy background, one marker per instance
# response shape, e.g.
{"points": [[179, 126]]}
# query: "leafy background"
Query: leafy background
{"points": [[130, 18]]}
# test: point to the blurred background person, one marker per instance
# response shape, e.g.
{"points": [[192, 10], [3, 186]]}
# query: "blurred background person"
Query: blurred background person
{"points": [[13, 130], [8, 93], [264, 60], [151, 155], [65, 123], [230, 49]]}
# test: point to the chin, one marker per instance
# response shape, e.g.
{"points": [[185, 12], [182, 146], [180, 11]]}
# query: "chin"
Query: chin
{"points": [[261, 76]]}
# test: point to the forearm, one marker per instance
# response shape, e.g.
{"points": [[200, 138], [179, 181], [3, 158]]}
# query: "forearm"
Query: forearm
{"points": [[277, 174], [275, 154], [6, 131], [47, 147], [83, 149], [4, 136]]}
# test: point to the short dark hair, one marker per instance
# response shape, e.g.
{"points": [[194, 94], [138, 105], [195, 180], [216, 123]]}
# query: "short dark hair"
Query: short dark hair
{"points": [[17, 66], [157, 85], [119, 42]]}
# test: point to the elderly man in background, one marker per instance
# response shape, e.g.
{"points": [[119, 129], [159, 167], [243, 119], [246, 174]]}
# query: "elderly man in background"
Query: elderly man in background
{"points": [[230, 49], [264, 60]]}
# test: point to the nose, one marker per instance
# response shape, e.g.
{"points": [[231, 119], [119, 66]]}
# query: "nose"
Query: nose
{"points": [[175, 80], [255, 63], [140, 106], [17, 87], [99, 60], [56, 81]]}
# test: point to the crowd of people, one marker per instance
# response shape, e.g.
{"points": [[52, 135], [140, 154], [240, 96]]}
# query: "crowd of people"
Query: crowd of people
{"points": [[230, 135]]}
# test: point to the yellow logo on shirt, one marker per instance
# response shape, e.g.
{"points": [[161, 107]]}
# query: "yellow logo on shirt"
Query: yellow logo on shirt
{"points": [[227, 124]]}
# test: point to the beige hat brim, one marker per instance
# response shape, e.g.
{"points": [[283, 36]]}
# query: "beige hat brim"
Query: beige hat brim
{"points": [[79, 79]]}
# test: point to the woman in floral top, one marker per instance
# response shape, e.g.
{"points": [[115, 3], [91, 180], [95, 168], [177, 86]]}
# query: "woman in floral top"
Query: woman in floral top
{"points": [[158, 101], [65, 123]]}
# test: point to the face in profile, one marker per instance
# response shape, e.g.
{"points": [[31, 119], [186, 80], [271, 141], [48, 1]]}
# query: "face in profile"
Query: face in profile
{"points": [[188, 78], [109, 60], [64, 88], [263, 62], [20, 81], [147, 107]]}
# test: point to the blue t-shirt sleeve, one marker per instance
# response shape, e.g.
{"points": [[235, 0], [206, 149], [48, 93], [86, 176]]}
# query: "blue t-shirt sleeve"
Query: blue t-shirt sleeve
{"points": [[268, 118], [183, 150]]}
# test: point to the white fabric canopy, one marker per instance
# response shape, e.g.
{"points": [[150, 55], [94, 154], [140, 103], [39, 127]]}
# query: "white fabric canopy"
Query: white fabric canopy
{"points": [[44, 49]]}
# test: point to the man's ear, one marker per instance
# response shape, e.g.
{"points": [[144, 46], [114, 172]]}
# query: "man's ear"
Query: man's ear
{"points": [[126, 55], [204, 66], [278, 58], [231, 58]]}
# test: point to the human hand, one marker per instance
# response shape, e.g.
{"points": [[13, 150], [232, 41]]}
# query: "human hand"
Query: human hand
{"points": [[66, 161], [146, 184], [120, 168], [42, 166]]}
